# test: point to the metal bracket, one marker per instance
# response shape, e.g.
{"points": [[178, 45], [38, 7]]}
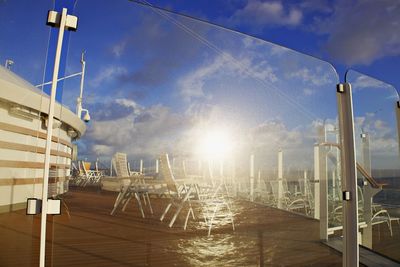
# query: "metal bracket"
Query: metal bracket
{"points": [[34, 206], [340, 88], [54, 19], [346, 195]]}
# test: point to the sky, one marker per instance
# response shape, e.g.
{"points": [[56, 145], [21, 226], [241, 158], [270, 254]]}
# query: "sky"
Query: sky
{"points": [[159, 82]]}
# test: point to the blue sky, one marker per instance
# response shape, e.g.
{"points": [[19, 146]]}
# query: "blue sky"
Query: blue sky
{"points": [[157, 81]]}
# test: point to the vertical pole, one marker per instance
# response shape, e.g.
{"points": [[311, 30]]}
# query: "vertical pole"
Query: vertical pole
{"points": [[79, 100], [141, 166], [333, 183], [236, 184], [349, 176], [111, 166], [316, 181], [398, 122], [280, 179], [48, 138], [367, 191], [305, 184], [252, 177], [323, 194], [156, 165]]}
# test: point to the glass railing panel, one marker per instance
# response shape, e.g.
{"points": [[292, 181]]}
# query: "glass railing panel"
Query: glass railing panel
{"points": [[377, 149], [23, 46], [239, 119]]}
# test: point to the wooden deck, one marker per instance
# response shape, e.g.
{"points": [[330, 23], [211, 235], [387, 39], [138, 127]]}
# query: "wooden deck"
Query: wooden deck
{"points": [[89, 236]]}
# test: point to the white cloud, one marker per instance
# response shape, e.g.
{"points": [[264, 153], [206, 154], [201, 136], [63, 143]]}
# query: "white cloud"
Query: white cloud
{"points": [[362, 31], [308, 91], [106, 74], [142, 131], [363, 81], [192, 85], [316, 77], [277, 50], [383, 137], [259, 13], [118, 49]]}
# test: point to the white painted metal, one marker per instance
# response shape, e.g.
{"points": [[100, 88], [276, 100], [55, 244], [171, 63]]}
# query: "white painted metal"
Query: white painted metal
{"points": [[79, 99], [62, 25], [316, 181], [323, 194], [280, 179], [349, 176], [141, 166], [23, 94], [398, 122], [157, 165], [252, 177], [367, 191], [60, 79]]}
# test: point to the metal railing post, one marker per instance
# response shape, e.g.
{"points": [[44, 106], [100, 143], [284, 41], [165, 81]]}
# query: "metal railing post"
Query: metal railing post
{"points": [[349, 176]]}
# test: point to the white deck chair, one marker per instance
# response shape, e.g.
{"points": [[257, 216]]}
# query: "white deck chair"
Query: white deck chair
{"points": [[290, 202], [131, 186], [77, 174], [185, 191], [180, 193], [92, 176], [216, 206]]}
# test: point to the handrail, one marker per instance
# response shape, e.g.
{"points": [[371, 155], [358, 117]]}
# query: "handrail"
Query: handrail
{"points": [[371, 180]]}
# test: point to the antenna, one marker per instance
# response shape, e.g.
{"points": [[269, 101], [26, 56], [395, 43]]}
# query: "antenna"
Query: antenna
{"points": [[79, 108], [8, 64]]}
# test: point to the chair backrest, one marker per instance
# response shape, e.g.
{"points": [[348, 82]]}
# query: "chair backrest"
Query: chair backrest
{"points": [[120, 164], [166, 172], [85, 167], [274, 188]]}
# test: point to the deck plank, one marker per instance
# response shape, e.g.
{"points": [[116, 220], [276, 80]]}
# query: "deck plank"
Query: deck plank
{"points": [[264, 236]]}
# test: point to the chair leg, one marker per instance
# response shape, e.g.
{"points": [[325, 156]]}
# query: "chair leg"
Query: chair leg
{"points": [[187, 218], [231, 215], [140, 204], [212, 219], [127, 199], [186, 198], [176, 214], [148, 200], [116, 203], [144, 199], [165, 211]]}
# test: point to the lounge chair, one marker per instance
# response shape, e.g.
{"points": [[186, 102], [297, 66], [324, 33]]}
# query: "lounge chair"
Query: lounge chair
{"points": [[90, 176], [288, 201], [184, 192], [131, 186]]}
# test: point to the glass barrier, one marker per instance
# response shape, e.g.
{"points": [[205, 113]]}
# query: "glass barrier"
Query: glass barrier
{"points": [[23, 46], [377, 149], [203, 146]]}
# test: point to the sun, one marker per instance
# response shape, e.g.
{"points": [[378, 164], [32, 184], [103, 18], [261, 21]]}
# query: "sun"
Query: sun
{"points": [[215, 144]]}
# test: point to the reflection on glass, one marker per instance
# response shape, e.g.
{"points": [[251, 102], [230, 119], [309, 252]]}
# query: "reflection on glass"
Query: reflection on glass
{"points": [[23, 46], [377, 151], [204, 146]]}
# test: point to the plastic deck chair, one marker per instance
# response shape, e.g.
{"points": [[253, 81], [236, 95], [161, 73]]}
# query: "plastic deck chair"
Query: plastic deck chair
{"points": [[131, 186], [92, 176], [289, 201], [180, 192]]}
